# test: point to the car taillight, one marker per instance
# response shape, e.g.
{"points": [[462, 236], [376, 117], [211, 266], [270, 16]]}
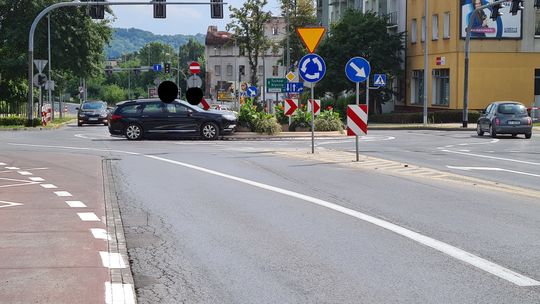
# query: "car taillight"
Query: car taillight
{"points": [[497, 121], [529, 121], [115, 117]]}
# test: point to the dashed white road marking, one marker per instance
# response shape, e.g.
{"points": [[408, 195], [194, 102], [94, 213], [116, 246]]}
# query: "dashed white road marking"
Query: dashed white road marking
{"points": [[19, 182], [48, 186], [2, 164], [112, 260], [62, 193], [12, 168], [494, 157], [100, 234], [4, 204], [450, 250], [88, 216], [25, 173], [36, 179], [492, 169], [76, 204], [118, 293]]}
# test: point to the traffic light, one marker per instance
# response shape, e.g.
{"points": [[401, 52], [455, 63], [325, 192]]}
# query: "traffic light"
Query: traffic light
{"points": [[495, 11], [167, 68], [97, 11], [160, 10], [517, 5], [216, 10], [242, 70]]}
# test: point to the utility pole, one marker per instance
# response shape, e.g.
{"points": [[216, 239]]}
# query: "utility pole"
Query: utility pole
{"points": [[288, 37], [49, 51], [426, 61]]}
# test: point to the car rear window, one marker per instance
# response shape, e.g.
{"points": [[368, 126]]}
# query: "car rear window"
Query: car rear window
{"points": [[509, 108]]}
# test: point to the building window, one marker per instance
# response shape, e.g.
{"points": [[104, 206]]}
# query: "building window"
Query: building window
{"points": [[274, 30], [423, 29], [537, 82], [441, 87], [229, 70], [435, 27], [275, 70], [414, 28], [217, 70], [537, 23], [417, 87], [260, 70], [446, 26]]}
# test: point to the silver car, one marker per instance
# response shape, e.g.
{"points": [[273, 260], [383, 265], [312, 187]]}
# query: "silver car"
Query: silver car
{"points": [[505, 117]]}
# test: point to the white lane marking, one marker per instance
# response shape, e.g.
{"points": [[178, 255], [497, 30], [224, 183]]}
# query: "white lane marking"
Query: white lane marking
{"points": [[361, 139], [9, 204], [450, 250], [2, 164], [101, 234], [470, 144], [12, 168], [494, 157], [455, 252], [36, 179], [76, 204], [62, 193], [25, 173], [464, 150], [118, 293], [48, 186], [492, 169], [21, 182], [112, 260], [88, 216]]}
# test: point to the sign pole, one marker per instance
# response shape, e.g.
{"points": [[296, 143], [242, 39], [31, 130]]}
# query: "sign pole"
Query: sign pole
{"points": [[312, 118], [357, 103], [367, 93]]}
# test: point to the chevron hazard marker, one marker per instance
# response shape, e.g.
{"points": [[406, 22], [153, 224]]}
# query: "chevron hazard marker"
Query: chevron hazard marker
{"points": [[317, 106], [290, 106], [357, 118]]}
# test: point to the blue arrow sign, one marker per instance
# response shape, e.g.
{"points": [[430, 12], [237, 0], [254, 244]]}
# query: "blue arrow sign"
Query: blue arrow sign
{"points": [[157, 67], [252, 91], [379, 80], [312, 68], [357, 69], [294, 87]]}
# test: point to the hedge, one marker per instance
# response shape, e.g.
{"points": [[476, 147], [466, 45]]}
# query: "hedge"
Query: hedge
{"points": [[18, 121], [433, 117]]}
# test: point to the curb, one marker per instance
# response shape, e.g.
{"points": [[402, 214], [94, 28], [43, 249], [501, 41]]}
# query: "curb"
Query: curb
{"points": [[121, 277]]}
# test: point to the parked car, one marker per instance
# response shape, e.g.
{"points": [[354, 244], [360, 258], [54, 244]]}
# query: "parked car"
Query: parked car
{"points": [[138, 119], [92, 112], [505, 117]]}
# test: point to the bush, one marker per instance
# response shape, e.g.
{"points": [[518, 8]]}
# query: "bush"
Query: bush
{"points": [[328, 121], [454, 116], [18, 121], [280, 115], [247, 114], [301, 118], [265, 123]]}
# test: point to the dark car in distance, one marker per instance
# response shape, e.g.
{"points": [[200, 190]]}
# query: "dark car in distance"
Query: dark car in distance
{"points": [[92, 112], [141, 118], [505, 117]]}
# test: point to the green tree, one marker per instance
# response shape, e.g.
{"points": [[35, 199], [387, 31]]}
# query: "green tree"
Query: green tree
{"points": [[363, 35], [247, 25], [301, 13], [156, 52], [113, 93]]}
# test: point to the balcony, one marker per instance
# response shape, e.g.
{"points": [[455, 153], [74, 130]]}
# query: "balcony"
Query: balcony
{"points": [[392, 18]]}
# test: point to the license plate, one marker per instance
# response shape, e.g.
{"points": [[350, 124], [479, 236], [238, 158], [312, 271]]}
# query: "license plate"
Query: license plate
{"points": [[514, 122], [92, 118]]}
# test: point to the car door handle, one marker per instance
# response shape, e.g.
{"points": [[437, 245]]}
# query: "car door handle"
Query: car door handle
{"points": [[144, 116]]}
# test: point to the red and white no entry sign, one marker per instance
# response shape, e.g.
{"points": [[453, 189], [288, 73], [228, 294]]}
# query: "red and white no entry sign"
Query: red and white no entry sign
{"points": [[357, 118], [290, 106], [194, 67]]}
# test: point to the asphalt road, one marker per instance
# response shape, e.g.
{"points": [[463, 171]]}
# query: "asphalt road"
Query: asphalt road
{"points": [[234, 222]]}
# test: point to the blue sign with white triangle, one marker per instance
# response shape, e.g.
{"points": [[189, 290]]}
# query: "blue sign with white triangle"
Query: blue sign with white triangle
{"points": [[379, 80]]}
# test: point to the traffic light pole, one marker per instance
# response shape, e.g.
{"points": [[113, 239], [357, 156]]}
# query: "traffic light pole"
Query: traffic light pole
{"points": [[77, 3], [467, 59]]}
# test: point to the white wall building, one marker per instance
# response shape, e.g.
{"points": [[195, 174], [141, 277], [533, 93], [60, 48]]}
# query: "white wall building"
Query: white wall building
{"points": [[224, 61]]}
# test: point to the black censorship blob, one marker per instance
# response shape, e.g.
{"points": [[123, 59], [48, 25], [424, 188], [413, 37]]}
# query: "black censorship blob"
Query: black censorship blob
{"points": [[194, 96], [167, 91]]}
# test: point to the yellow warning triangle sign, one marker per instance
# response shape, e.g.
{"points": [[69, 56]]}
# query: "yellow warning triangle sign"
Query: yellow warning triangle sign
{"points": [[311, 36]]}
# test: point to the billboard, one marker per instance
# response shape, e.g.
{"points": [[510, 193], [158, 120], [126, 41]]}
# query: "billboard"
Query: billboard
{"points": [[483, 27]]}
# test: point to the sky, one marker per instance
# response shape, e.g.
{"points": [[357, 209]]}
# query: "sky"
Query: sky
{"points": [[181, 19]]}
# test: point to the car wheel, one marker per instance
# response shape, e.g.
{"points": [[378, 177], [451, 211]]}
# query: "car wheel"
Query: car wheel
{"points": [[209, 131], [133, 132], [492, 132], [479, 130], [513, 135], [528, 135]]}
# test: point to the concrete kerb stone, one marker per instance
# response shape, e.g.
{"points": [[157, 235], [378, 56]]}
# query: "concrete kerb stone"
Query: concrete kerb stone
{"points": [[115, 229]]}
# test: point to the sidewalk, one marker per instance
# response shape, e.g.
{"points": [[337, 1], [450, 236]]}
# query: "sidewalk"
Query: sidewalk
{"points": [[56, 240]]}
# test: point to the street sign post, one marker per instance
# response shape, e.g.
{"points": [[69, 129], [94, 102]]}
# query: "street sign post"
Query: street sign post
{"points": [[194, 81], [317, 109], [157, 67], [290, 76], [252, 91], [379, 80], [194, 67], [290, 106], [311, 36], [357, 118], [275, 85], [357, 70], [40, 64], [294, 87]]}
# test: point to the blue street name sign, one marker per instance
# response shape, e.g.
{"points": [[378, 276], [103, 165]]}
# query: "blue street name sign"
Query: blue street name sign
{"points": [[379, 80], [157, 67], [294, 87], [312, 68], [252, 91], [357, 69]]}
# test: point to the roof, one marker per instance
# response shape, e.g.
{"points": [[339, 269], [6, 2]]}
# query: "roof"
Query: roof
{"points": [[215, 37]]}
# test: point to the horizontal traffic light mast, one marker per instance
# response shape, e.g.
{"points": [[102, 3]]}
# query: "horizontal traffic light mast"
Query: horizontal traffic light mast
{"points": [[213, 8]]}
